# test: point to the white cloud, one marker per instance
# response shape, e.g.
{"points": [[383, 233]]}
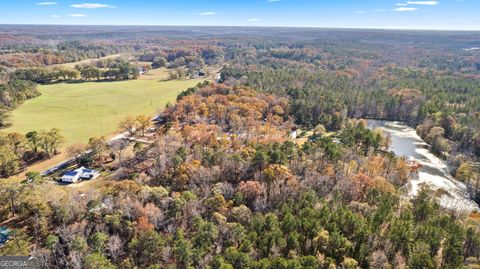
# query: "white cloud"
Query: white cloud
{"points": [[207, 13], [47, 3], [77, 15], [424, 3], [401, 4], [91, 5], [254, 19], [55, 16], [404, 9]]}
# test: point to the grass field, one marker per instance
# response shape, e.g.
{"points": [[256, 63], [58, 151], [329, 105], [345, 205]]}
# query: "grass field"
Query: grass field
{"points": [[160, 74], [89, 109]]}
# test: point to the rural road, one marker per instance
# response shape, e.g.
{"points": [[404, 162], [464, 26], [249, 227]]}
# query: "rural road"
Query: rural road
{"points": [[70, 161]]}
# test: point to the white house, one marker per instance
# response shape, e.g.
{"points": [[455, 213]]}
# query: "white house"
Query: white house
{"points": [[71, 177], [79, 174]]}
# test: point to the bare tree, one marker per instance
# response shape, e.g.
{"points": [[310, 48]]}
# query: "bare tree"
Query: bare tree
{"points": [[76, 151], [119, 146], [115, 247], [144, 122], [129, 124]]}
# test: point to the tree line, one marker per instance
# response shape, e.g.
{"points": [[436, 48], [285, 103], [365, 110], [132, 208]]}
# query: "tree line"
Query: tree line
{"points": [[12, 94], [117, 69], [18, 151]]}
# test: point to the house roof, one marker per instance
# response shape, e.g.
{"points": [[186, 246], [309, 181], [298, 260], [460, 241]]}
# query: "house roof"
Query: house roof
{"points": [[85, 170], [71, 173], [79, 169]]}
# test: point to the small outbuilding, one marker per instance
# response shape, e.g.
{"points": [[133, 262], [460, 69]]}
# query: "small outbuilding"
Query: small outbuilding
{"points": [[4, 235]]}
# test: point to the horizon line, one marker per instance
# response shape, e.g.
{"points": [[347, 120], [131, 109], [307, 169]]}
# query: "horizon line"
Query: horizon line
{"points": [[250, 26]]}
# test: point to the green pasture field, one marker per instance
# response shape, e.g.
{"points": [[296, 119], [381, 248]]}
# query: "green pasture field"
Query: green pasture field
{"points": [[92, 109]]}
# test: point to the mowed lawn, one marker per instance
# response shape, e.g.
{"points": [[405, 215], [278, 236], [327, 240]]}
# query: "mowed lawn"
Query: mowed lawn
{"points": [[90, 109]]}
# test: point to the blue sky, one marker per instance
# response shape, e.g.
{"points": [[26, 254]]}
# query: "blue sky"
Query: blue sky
{"points": [[401, 14]]}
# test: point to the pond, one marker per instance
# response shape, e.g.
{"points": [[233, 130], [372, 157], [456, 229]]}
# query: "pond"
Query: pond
{"points": [[434, 173]]}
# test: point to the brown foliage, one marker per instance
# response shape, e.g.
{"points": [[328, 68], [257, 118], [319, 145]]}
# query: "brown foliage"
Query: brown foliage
{"points": [[250, 189], [126, 187], [247, 114], [143, 224], [361, 183]]}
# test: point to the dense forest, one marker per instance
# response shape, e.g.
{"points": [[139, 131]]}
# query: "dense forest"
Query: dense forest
{"points": [[223, 184], [224, 187]]}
